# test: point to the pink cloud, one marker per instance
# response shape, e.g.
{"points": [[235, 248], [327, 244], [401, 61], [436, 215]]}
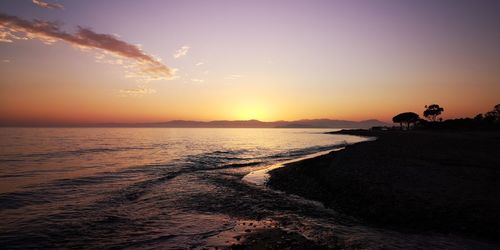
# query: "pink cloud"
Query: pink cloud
{"points": [[46, 5], [142, 65]]}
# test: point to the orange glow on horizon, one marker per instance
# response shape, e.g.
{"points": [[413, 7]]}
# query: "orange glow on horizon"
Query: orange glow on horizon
{"points": [[343, 62]]}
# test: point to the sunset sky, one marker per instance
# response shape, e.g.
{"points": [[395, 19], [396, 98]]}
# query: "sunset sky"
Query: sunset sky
{"points": [[149, 61]]}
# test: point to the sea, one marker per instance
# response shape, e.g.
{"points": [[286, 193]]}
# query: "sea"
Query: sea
{"points": [[162, 188]]}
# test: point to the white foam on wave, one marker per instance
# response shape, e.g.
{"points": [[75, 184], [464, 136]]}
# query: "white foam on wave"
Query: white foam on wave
{"points": [[261, 176]]}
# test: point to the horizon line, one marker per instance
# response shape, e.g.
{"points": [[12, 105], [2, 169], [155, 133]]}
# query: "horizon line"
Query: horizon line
{"points": [[276, 123]]}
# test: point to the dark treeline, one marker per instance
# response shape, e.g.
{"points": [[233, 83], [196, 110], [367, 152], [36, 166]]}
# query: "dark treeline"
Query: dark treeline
{"points": [[409, 120]]}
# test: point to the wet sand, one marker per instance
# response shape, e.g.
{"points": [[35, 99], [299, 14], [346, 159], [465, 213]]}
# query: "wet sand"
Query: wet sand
{"points": [[261, 176], [416, 182], [263, 234]]}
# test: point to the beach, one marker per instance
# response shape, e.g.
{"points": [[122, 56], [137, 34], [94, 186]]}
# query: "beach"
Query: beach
{"points": [[408, 181]]}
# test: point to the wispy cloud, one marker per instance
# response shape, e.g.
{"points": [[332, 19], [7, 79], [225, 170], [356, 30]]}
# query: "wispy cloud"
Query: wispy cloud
{"points": [[232, 77], [137, 92], [6, 61], [8, 37], [46, 5], [181, 52], [134, 59], [197, 80], [199, 64]]}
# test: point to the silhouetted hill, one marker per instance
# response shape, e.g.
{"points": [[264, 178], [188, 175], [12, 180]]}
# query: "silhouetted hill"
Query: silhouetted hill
{"points": [[306, 123], [328, 123], [295, 125]]}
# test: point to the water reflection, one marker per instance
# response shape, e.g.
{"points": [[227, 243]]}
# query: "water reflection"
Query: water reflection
{"points": [[163, 188]]}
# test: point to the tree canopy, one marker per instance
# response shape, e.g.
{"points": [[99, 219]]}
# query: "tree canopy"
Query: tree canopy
{"points": [[407, 118], [493, 115], [433, 111]]}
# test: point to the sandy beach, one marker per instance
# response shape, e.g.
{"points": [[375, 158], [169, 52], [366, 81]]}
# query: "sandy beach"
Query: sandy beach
{"points": [[415, 182]]}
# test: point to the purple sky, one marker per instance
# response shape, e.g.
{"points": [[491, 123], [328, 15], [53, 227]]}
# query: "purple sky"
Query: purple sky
{"points": [[267, 60]]}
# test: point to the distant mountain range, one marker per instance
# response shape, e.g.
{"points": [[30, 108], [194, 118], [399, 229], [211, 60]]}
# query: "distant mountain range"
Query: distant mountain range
{"points": [[306, 123], [314, 123]]}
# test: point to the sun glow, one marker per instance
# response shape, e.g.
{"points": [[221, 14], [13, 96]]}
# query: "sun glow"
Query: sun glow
{"points": [[251, 111], [356, 63]]}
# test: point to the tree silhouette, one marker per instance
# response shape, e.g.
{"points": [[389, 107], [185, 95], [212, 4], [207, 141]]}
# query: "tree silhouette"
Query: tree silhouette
{"points": [[433, 111], [406, 117], [494, 115]]}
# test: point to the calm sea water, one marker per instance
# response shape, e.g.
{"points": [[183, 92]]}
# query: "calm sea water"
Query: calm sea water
{"points": [[117, 187], [162, 188]]}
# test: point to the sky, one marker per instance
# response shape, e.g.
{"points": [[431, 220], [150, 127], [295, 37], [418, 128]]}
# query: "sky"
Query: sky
{"points": [[99, 61]]}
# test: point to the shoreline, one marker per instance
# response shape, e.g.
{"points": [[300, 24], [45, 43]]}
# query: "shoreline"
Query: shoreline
{"points": [[415, 182], [261, 177]]}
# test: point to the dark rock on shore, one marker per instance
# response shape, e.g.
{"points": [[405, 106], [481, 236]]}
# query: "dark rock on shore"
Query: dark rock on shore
{"points": [[277, 239], [415, 181]]}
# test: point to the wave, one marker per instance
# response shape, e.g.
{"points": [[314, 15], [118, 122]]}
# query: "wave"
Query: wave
{"points": [[69, 153], [153, 174], [305, 151]]}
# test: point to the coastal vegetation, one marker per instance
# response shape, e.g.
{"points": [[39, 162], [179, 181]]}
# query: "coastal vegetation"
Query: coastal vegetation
{"points": [[433, 111], [407, 117], [490, 120]]}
